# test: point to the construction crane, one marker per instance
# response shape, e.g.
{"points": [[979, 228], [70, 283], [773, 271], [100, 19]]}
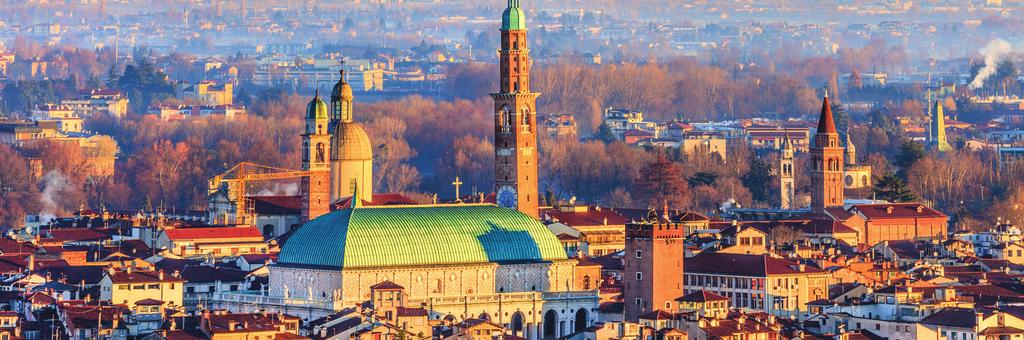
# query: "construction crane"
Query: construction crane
{"points": [[235, 182]]}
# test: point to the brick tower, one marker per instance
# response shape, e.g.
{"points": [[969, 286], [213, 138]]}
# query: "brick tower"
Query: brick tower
{"points": [[515, 119], [316, 145], [827, 163], [652, 268]]}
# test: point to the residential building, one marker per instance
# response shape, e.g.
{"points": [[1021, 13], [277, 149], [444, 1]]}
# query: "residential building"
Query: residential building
{"points": [[757, 282], [209, 93], [99, 101], [130, 286], [212, 241]]}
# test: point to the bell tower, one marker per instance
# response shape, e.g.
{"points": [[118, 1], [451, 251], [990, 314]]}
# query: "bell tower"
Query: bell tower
{"points": [[316, 144], [827, 162], [787, 183], [515, 119]]}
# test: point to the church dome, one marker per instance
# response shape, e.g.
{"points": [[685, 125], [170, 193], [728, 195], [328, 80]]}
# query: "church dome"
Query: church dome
{"points": [[316, 109], [350, 143], [420, 235], [342, 90]]}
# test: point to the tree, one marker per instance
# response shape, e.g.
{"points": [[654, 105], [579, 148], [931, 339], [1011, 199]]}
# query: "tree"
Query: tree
{"points": [[662, 182], [702, 178], [605, 134], [892, 188], [910, 153], [783, 235], [758, 180]]}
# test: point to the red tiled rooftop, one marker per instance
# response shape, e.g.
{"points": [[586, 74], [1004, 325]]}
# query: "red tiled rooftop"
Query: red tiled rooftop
{"points": [[592, 217], [702, 296], [899, 210], [213, 233], [745, 265]]}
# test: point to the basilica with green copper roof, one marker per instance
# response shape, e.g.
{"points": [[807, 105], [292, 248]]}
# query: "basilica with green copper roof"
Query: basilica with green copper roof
{"points": [[457, 261]]}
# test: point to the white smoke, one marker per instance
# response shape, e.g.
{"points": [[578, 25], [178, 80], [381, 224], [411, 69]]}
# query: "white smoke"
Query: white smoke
{"points": [[995, 52], [54, 183], [279, 189]]}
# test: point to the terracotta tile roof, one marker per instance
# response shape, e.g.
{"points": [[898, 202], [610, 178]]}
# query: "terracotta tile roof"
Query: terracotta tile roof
{"points": [[386, 285], [149, 302], [745, 265], [690, 216], [701, 296], [952, 317], [253, 322], [730, 327], [410, 312], [592, 217], [838, 213], [656, 315], [214, 233], [277, 205], [899, 210], [1001, 330], [138, 276], [11, 247], [567, 237], [76, 235]]}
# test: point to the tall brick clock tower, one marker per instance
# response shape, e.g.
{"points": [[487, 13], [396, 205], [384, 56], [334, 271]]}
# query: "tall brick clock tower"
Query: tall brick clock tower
{"points": [[316, 148], [515, 119], [827, 163]]}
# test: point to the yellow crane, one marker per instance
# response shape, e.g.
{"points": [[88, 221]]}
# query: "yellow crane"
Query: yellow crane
{"points": [[235, 182]]}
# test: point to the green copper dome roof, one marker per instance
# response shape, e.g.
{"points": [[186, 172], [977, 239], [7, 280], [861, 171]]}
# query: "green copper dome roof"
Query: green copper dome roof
{"points": [[316, 109], [420, 235], [513, 18]]}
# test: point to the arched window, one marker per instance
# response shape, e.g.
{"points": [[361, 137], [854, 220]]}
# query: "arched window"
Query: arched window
{"points": [[320, 153]]}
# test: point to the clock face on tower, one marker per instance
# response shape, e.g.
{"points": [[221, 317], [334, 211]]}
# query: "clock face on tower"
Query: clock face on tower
{"points": [[507, 197]]}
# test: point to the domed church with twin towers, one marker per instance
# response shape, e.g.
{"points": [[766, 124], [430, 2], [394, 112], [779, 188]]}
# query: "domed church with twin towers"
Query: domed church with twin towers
{"points": [[457, 261]]}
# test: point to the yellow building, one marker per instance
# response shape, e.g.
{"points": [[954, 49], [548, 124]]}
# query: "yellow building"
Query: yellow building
{"points": [[1012, 252], [208, 92], [130, 286]]}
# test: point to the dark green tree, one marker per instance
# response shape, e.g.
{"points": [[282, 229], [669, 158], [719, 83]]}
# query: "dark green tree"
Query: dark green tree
{"points": [[892, 188], [910, 153], [605, 134], [702, 178], [758, 180]]}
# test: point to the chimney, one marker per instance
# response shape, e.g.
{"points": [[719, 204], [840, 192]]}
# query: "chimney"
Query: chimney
{"points": [[232, 325], [160, 274], [31, 262]]}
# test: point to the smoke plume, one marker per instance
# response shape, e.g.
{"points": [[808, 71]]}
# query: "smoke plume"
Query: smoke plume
{"points": [[54, 183], [280, 189], [995, 52]]}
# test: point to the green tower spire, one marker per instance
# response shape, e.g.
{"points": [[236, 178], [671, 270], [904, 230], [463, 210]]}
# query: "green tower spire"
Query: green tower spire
{"points": [[938, 129], [513, 18]]}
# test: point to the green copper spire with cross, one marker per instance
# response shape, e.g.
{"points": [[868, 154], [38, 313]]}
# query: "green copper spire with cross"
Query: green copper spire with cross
{"points": [[513, 18]]}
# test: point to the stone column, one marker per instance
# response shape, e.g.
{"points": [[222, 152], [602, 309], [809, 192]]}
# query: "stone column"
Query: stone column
{"points": [[528, 331]]}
